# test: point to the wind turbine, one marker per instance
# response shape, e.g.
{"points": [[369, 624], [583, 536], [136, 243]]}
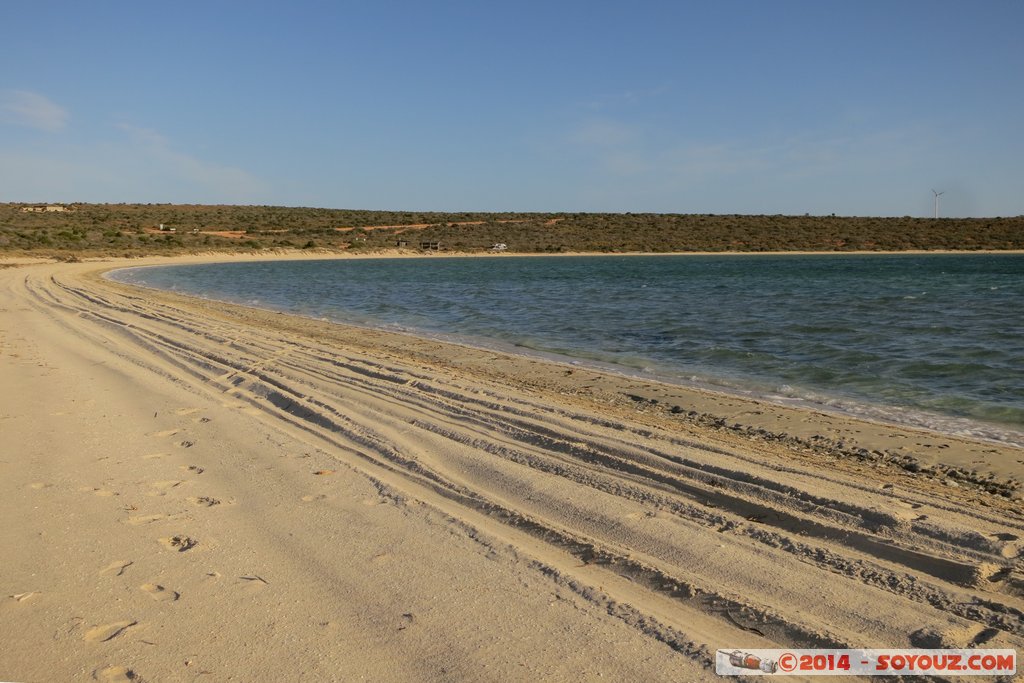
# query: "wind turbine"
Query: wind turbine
{"points": [[937, 201]]}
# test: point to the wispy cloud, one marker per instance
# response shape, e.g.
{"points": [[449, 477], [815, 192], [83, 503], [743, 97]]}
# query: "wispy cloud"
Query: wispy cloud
{"points": [[26, 108], [137, 164], [625, 147], [208, 178], [634, 162]]}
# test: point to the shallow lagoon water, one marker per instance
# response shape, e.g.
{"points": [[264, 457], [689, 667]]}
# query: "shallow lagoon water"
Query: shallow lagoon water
{"points": [[934, 340]]}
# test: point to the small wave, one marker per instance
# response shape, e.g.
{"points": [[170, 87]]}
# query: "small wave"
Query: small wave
{"points": [[909, 417]]}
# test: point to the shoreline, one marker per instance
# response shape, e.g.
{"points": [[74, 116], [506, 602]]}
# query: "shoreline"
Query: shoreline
{"points": [[936, 425], [9, 260], [871, 438], [198, 488]]}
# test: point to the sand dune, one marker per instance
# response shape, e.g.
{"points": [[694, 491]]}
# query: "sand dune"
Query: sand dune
{"points": [[199, 491]]}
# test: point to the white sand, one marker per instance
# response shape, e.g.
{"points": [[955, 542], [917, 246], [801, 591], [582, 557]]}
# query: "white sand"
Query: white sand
{"points": [[195, 491]]}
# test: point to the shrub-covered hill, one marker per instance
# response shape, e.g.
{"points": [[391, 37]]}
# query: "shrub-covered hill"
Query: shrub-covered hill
{"points": [[134, 229]]}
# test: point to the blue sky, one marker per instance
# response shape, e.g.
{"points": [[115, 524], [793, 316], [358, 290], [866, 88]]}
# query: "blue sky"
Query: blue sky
{"points": [[854, 108]]}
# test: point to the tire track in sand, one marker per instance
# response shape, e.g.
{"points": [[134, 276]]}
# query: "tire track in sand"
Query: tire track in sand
{"points": [[669, 535]]}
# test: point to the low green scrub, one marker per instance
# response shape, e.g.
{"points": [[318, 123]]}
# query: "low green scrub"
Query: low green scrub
{"points": [[134, 230]]}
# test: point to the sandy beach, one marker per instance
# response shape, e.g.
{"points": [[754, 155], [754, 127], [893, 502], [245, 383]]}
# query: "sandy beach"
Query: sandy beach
{"points": [[195, 491]]}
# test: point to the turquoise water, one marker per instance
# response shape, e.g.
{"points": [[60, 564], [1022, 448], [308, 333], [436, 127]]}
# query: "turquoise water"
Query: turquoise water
{"points": [[930, 340]]}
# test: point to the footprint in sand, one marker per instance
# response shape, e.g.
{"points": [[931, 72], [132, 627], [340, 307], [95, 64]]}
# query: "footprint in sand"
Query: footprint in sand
{"points": [[179, 543], [195, 469], [22, 597], [116, 568], [140, 520], [1008, 546], [153, 456], [105, 632], [204, 501], [407, 620], [254, 583], [159, 593], [160, 488], [904, 510], [116, 674], [186, 412]]}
